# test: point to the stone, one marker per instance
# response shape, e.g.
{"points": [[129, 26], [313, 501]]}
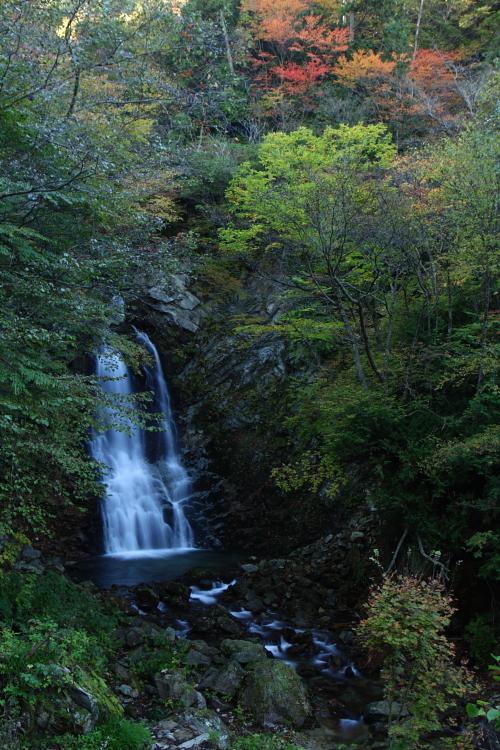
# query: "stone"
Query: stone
{"points": [[172, 685], [273, 693], [207, 723], [197, 659], [128, 691], [160, 295], [135, 637], [188, 320], [29, 553], [174, 593], [356, 536], [35, 567], [195, 742], [385, 709], [164, 728], [188, 301], [244, 652], [250, 568], [121, 671], [224, 681], [146, 598], [204, 648], [84, 699], [227, 624], [170, 634]]}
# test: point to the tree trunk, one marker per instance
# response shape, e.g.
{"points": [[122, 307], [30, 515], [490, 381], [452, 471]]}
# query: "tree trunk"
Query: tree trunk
{"points": [[354, 344], [417, 28], [226, 42]]}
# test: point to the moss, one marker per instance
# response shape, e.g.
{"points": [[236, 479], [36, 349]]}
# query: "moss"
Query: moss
{"points": [[274, 693], [10, 552], [108, 703]]}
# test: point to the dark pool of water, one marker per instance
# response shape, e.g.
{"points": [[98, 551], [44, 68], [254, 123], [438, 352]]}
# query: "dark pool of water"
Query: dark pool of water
{"points": [[129, 570]]}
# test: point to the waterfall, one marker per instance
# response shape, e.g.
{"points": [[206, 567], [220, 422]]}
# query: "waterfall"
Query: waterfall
{"points": [[144, 507]]}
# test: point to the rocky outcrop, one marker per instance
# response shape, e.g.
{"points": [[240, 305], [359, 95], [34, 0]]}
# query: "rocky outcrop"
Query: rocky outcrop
{"points": [[176, 303]]}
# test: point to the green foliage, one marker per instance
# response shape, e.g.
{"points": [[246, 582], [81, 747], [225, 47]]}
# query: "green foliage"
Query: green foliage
{"points": [[481, 638], [264, 742], [405, 623], [158, 653], [53, 635], [120, 734], [311, 473], [55, 598], [484, 709]]}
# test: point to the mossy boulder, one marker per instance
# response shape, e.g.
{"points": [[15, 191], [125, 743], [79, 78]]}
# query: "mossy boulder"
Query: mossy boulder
{"points": [[274, 694], [243, 652], [83, 701]]}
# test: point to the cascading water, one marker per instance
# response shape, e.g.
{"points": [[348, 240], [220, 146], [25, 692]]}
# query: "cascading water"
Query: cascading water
{"points": [[141, 495]]}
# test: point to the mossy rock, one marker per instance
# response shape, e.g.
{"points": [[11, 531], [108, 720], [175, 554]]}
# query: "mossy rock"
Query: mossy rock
{"points": [[274, 694], [108, 704]]}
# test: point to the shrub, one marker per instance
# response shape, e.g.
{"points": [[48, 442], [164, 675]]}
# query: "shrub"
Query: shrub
{"points": [[264, 742], [481, 638], [405, 623], [53, 634], [119, 734], [156, 654]]}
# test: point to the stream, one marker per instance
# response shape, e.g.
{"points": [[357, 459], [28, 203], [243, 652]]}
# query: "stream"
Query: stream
{"points": [[148, 540]]}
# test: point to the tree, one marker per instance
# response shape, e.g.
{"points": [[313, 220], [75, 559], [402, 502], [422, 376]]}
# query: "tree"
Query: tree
{"points": [[295, 44], [74, 118], [314, 192]]}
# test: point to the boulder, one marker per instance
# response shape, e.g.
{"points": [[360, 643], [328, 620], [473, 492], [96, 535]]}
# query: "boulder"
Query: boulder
{"points": [[274, 694], [135, 637], [174, 594], [146, 598], [224, 681], [195, 658], [172, 685], [243, 652], [207, 723], [384, 709]]}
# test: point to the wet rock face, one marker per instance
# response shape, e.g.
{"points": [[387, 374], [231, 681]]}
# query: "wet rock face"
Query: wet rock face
{"points": [[274, 694]]}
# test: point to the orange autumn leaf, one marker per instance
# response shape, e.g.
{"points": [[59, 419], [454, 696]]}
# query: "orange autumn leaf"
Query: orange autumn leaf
{"points": [[362, 65]]}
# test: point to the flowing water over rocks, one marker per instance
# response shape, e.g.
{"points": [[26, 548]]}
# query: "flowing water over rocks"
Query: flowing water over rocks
{"points": [[265, 637], [144, 508], [231, 650]]}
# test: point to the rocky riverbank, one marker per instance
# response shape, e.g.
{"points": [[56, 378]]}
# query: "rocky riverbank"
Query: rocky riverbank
{"points": [[261, 648], [266, 647]]}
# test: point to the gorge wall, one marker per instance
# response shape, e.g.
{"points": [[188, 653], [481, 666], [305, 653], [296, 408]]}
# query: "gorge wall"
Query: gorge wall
{"points": [[230, 394]]}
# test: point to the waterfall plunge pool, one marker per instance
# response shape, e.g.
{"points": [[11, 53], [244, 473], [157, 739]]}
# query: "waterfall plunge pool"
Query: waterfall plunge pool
{"points": [[151, 566]]}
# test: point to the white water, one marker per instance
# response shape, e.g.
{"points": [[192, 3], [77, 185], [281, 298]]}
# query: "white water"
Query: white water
{"points": [[141, 495]]}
